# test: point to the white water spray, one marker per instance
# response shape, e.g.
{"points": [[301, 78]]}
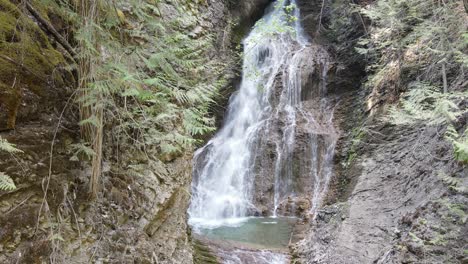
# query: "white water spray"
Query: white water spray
{"points": [[277, 57]]}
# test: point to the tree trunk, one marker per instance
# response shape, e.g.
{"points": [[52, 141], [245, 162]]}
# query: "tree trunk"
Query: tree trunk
{"points": [[91, 133]]}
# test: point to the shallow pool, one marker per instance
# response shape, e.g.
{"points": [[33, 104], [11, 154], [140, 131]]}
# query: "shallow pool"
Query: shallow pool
{"points": [[263, 232]]}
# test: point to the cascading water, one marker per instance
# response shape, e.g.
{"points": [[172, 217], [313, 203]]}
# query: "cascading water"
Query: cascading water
{"points": [[281, 98]]}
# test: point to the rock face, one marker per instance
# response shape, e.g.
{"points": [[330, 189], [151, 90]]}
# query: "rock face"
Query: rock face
{"points": [[235, 252], [140, 216], [294, 167], [399, 209], [308, 156], [27, 65], [394, 197]]}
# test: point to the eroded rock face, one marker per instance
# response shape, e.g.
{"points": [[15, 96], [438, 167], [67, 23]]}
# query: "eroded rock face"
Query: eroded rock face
{"points": [[223, 251], [398, 210], [140, 215], [388, 201], [294, 173]]}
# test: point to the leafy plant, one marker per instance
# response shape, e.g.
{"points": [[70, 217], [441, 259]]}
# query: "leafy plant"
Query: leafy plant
{"points": [[8, 147], [455, 184], [419, 40], [6, 183], [459, 142], [418, 54], [426, 103], [145, 83], [357, 136]]}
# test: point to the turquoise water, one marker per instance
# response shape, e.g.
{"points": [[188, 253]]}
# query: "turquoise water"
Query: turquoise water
{"points": [[264, 232]]}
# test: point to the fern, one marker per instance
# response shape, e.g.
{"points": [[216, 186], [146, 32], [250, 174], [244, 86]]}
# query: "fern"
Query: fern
{"points": [[8, 147], [425, 103], [416, 39], [153, 82], [81, 149], [455, 184], [459, 142], [6, 183]]}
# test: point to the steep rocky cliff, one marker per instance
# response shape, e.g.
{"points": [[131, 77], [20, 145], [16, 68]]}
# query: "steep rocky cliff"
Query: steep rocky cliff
{"points": [[139, 215], [398, 194]]}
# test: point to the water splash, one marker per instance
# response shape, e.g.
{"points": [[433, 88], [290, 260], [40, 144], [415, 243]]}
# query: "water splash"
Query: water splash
{"points": [[278, 62]]}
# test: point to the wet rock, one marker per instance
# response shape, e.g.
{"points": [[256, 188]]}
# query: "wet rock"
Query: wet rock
{"points": [[217, 251], [313, 135], [295, 206]]}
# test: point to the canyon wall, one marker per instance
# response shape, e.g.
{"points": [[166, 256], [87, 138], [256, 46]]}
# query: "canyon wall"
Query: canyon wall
{"points": [[139, 215]]}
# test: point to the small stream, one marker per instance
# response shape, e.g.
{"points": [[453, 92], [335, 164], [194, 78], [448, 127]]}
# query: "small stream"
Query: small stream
{"points": [[266, 117]]}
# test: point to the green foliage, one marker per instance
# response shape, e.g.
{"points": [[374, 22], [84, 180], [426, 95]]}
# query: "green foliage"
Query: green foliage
{"points": [[279, 23], [418, 37], [459, 142], [6, 183], [418, 53], [357, 135], [415, 238], [455, 184], [425, 103], [456, 211], [439, 240], [153, 81], [8, 147], [81, 150]]}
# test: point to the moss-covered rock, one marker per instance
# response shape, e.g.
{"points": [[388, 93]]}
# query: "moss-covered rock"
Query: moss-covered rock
{"points": [[27, 58]]}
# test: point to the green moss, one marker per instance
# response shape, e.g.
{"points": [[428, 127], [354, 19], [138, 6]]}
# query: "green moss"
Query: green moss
{"points": [[44, 7], [8, 7], [27, 57], [357, 137]]}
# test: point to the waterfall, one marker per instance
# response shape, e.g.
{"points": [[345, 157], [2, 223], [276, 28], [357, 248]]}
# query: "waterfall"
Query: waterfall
{"points": [[265, 116]]}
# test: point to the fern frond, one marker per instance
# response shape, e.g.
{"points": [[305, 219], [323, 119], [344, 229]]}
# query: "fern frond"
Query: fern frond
{"points": [[6, 183], [459, 142], [92, 120], [81, 149], [8, 147], [427, 103]]}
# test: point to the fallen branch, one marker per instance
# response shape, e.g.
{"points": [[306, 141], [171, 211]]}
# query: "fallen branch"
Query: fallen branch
{"points": [[21, 203], [60, 39]]}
